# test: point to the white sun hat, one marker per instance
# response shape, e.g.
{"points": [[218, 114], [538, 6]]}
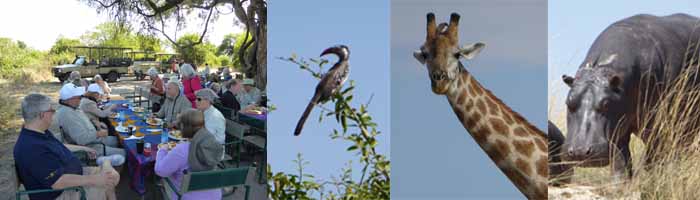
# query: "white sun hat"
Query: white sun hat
{"points": [[70, 90]]}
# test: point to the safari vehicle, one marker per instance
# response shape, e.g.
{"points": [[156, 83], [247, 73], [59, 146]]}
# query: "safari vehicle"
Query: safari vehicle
{"points": [[143, 60], [110, 62]]}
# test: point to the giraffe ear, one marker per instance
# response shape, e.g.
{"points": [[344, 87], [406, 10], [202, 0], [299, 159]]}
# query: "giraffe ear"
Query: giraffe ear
{"points": [[470, 51], [418, 54]]}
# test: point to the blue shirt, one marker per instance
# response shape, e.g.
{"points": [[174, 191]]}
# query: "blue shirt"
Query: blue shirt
{"points": [[40, 160]]}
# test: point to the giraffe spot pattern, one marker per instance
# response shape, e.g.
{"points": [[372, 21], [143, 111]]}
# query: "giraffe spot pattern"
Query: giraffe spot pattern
{"points": [[518, 179], [540, 144], [542, 167], [471, 121], [480, 134], [523, 166], [520, 131], [482, 107], [506, 116], [498, 151], [525, 147], [499, 127], [474, 86], [493, 108]]}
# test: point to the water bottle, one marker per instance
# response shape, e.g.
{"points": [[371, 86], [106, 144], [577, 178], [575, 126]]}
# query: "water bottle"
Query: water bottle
{"points": [[164, 136]]}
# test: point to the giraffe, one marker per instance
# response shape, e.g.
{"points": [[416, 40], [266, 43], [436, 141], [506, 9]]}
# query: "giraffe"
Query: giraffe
{"points": [[517, 147]]}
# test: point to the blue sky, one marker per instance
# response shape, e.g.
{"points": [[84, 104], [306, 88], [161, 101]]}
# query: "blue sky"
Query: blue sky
{"points": [[433, 156], [307, 28], [573, 25]]}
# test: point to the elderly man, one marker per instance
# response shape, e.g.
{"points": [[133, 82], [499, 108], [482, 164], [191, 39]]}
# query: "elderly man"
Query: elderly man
{"points": [[42, 162], [157, 89], [250, 95], [77, 127], [174, 104], [228, 99], [74, 78], [214, 121], [99, 117]]}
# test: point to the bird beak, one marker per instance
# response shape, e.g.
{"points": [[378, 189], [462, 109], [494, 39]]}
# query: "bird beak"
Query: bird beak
{"points": [[334, 50]]}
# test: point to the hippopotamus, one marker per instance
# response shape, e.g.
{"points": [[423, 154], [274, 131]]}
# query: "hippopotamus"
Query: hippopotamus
{"points": [[631, 60], [559, 173]]}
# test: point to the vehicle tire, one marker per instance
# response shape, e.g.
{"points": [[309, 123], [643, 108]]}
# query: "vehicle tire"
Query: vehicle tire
{"points": [[63, 78], [112, 76]]}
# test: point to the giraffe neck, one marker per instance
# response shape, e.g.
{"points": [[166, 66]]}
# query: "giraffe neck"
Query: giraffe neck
{"points": [[515, 146]]}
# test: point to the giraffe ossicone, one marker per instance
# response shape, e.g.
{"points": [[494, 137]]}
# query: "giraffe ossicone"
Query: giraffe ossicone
{"points": [[517, 147]]}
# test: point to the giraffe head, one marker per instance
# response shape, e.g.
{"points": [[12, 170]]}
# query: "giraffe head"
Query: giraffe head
{"points": [[441, 53]]}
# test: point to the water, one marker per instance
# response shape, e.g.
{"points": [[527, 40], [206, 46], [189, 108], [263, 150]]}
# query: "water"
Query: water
{"points": [[164, 136]]}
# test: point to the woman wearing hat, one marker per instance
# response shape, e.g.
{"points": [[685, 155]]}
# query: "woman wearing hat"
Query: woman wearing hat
{"points": [[99, 117], [250, 95]]}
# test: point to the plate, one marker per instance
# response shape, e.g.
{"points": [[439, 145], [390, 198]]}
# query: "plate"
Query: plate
{"points": [[114, 115], [138, 109], [121, 129], [175, 135], [154, 121]]}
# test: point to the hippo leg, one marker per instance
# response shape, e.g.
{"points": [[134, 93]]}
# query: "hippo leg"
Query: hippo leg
{"points": [[621, 163]]}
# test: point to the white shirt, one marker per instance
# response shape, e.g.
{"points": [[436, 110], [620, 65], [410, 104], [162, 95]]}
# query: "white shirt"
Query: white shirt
{"points": [[215, 123]]}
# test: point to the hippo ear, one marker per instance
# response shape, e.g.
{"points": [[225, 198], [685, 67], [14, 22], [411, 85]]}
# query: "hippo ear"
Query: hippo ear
{"points": [[568, 80], [615, 84]]}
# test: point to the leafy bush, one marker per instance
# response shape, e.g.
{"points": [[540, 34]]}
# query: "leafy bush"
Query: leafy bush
{"points": [[361, 132]]}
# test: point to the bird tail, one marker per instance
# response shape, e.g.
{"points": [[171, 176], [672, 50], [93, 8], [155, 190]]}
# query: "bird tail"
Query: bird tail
{"points": [[302, 120]]}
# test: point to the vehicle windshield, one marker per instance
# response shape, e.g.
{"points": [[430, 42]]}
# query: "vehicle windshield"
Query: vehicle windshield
{"points": [[79, 61]]}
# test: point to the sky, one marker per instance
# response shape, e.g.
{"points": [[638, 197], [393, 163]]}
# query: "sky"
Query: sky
{"points": [[433, 156], [574, 25], [306, 28], [40, 26]]}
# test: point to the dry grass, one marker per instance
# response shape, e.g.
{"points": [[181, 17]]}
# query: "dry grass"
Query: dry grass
{"points": [[30, 80], [676, 172]]}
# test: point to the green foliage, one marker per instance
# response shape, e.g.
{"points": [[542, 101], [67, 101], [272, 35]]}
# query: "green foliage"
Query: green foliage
{"points": [[197, 54], [361, 132], [60, 52], [14, 56]]}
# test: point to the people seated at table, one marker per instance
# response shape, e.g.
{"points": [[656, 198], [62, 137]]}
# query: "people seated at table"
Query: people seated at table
{"points": [[106, 90], [99, 117], [226, 74], [200, 152], [42, 162], [250, 95], [190, 82], [157, 89], [228, 98], [174, 104], [76, 127], [214, 121], [73, 78]]}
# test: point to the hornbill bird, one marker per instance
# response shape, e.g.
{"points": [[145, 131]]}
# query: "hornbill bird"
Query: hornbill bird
{"points": [[330, 83]]}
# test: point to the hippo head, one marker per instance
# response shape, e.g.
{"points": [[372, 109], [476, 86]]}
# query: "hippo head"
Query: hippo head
{"points": [[594, 108]]}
